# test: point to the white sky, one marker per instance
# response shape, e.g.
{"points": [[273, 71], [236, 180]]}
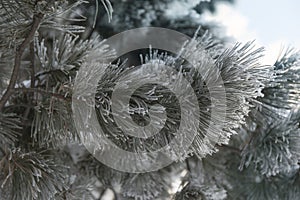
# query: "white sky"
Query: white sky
{"points": [[274, 24]]}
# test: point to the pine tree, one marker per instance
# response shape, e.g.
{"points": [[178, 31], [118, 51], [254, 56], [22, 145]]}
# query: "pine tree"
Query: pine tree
{"points": [[246, 131]]}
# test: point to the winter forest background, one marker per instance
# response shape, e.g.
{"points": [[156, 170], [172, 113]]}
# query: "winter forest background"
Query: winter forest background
{"points": [[253, 153]]}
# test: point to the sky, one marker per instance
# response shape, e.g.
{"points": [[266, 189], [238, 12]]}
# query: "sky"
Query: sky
{"points": [[274, 24]]}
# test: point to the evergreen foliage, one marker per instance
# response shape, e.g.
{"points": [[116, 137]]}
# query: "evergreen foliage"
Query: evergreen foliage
{"points": [[254, 153]]}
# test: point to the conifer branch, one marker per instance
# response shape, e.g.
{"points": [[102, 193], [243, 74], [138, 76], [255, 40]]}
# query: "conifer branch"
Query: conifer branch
{"points": [[37, 18], [32, 70], [28, 90], [32, 82], [36, 21]]}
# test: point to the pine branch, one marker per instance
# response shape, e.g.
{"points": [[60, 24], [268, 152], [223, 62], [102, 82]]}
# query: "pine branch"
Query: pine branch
{"points": [[9, 128], [31, 175], [32, 60], [32, 82], [272, 124], [53, 94], [37, 19]]}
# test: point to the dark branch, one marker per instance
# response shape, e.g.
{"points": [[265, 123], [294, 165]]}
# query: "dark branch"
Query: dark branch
{"points": [[32, 71], [32, 83], [231, 148], [57, 95], [37, 18]]}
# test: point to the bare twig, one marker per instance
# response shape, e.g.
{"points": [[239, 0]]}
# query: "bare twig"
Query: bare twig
{"points": [[250, 140], [188, 167], [37, 18]]}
